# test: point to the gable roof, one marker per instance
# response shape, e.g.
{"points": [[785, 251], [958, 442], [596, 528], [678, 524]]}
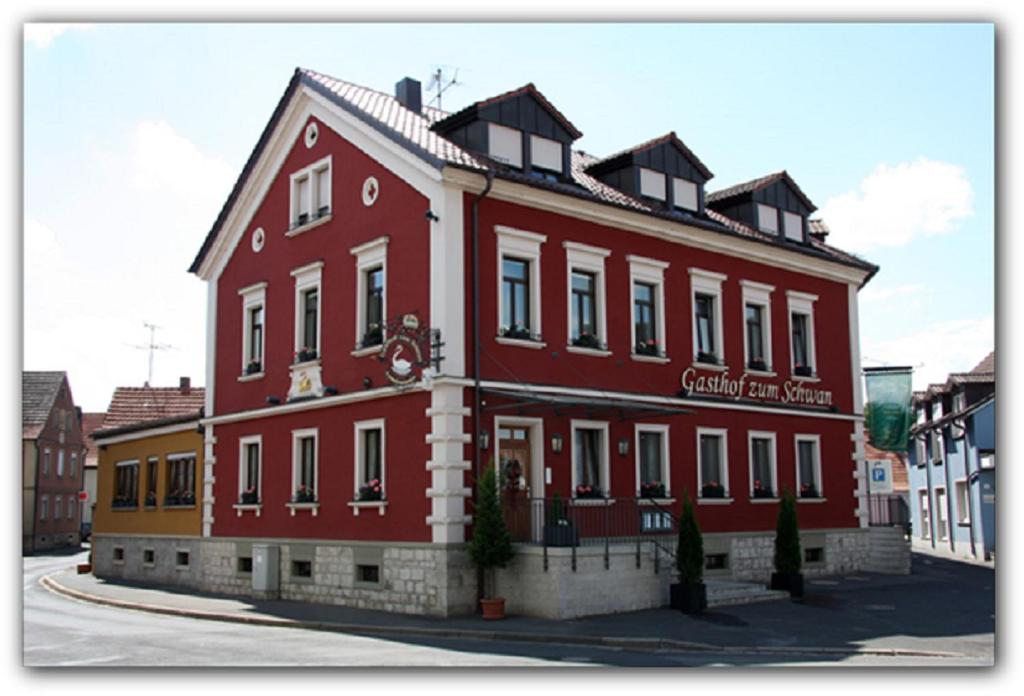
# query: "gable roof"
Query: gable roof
{"points": [[609, 163], [748, 187], [987, 365], [415, 133], [467, 113], [38, 393], [91, 422], [136, 405]]}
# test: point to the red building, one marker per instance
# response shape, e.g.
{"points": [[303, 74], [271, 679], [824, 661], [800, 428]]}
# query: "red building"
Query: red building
{"points": [[399, 297]]}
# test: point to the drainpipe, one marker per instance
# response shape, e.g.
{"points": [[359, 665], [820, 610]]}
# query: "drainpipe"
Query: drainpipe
{"points": [[35, 504], [928, 478], [970, 492]]}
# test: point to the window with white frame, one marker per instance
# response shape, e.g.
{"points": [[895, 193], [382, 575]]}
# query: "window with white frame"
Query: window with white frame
{"points": [[767, 218], [652, 461], [44, 507], [73, 465], [935, 444], [706, 297], [311, 193], [371, 292], [181, 479], [647, 288], [963, 507], [126, 484], [712, 463], [808, 466], [685, 194], [757, 325], [793, 226], [250, 469], [307, 311], [57, 509], [253, 323], [801, 330], [369, 446], [505, 145], [590, 459], [46, 462], [941, 518], [922, 450], [72, 507], [60, 463], [925, 517], [519, 305], [304, 465], [152, 466], [586, 292], [652, 184], [761, 447], [545, 154]]}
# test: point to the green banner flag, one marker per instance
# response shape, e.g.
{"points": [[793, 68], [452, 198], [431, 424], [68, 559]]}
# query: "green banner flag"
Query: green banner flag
{"points": [[888, 415]]}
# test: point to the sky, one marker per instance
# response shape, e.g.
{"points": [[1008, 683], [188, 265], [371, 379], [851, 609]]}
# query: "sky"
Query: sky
{"points": [[134, 134]]}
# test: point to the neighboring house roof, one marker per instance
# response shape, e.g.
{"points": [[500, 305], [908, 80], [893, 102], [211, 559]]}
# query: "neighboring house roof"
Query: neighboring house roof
{"points": [[91, 422], [136, 405], [988, 365], [900, 481], [757, 184], [38, 393], [414, 132]]}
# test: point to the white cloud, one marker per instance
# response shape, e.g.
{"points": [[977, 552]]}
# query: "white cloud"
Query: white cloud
{"points": [[934, 352], [897, 205], [873, 294], [42, 35]]}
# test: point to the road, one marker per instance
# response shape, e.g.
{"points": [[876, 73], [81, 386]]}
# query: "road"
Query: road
{"points": [[63, 632]]}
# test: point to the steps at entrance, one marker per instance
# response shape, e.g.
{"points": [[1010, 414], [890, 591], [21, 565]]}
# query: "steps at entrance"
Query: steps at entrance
{"points": [[722, 593]]}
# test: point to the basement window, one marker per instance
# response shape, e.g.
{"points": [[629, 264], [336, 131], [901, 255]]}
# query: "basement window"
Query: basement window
{"points": [[118, 554], [716, 561], [302, 569], [148, 557], [245, 564], [181, 559], [814, 555]]}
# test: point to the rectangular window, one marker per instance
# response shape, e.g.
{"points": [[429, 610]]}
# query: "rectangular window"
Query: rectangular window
{"points": [[506, 145], [57, 509], [685, 194], [148, 557], [46, 462], [941, 519], [705, 322], [245, 564], [60, 463], [515, 288], [647, 282], [963, 508], [590, 459], [814, 555], [311, 193], [936, 445], [586, 294], [794, 226], [181, 559], [545, 154], [800, 353], [310, 318], [72, 507], [181, 484], [652, 461], [307, 311], [762, 465], [652, 184], [712, 466], [322, 179], [926, 521], [755, 337], [767, 218], [250, 460], [369, 439], [302, 189], [368, 574], [371, 299], [758, 325], [253, 323], [302, 569], [801, 329], [256, 337], [373, 334], [716, 561], [126, 484], [808, 466], [44, 507], [645, 326], [584, 308], [118, 552], [74, 464], [304, 465]]}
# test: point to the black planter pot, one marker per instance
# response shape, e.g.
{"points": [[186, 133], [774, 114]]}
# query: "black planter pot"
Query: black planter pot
{"points": [[560, 535], [689, 599], [791, 582]]}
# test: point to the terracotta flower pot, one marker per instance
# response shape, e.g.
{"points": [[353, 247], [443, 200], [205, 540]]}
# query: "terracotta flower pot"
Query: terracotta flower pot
{"points": [[493, 608], [84, 568]]}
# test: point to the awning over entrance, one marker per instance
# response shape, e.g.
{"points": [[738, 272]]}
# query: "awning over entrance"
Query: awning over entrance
{"points": [[523, 402]]}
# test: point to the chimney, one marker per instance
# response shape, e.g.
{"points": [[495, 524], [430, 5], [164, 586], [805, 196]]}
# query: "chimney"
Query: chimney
{"points": [[184, 384], [408, 94]]}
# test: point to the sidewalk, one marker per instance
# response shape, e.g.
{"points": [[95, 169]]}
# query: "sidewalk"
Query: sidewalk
{"points": [[813, 626]]}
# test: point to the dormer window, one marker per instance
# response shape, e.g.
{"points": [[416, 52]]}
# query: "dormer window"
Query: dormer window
{"points": [[652, 184], [684, 194], [506, 145], [793, 225], [767, 218], [545, 155]]}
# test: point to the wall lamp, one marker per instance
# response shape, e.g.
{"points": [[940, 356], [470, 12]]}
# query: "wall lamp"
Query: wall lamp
{"points": [[485, 439], [273, 400], [556, 443], [430, 216], [330, 391], [367, 382], [624, 446]]}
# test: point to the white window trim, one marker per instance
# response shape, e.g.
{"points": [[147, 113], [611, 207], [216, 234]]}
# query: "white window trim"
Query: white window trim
{"points": [[46, 461], [652, 272], [722, 433], [925, 512], [359, 427], [707, 283], [253, 296], [297, 437], [306, 278], [368, 256], [816, 440], [324, 164], [523, 245], [662, 430], [940, 510], [802, 303], [963, 512], [761, 295], [590, 259], [603, 466], [762, 435], [243, 442], [60, 463]]}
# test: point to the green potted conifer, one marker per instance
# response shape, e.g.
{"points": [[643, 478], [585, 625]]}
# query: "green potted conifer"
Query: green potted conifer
{"points": [[491, 545], [787, 575], [689, 595]]}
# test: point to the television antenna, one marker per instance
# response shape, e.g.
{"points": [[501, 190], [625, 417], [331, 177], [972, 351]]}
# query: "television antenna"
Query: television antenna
{"points": [[437, 81], [152, 347]]}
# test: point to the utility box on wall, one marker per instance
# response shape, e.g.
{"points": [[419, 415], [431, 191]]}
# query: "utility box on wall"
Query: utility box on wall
{"points": [[266, 568]]}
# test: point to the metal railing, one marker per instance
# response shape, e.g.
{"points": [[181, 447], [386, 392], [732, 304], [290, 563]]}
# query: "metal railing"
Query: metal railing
{"points": [[591, 522], [888, 510]]}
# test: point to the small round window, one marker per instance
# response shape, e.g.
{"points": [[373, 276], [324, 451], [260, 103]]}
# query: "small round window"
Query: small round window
{"points": [[258, 237], [371, 189], [312, 133]]}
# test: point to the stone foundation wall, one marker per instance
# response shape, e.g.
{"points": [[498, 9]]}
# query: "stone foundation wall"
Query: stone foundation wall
{"points": [[752, 556], [164, 569]]}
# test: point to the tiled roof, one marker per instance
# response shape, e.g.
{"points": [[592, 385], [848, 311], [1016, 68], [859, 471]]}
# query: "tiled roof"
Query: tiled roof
{"points": [[528, 88], [132, 405], [988, 365], [900, 481], [413, 131], [38, 393], [91, 422], [668, 137], [756, 185], [818, 226]]}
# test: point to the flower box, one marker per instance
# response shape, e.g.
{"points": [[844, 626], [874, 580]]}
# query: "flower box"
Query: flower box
{"points": [[249, 497], [305, 355], [654, 489], [712, 490], [647, 348], [803, 371], [517, 332], [757, 364], [371, 491], [253, 367], [374, 336], [588, 341], [809, 491], [707, 358], [588, 492], [304, 495]]}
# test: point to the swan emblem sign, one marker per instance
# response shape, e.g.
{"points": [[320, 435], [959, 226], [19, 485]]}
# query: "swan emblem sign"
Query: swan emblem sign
{"points": [[403, 356]]}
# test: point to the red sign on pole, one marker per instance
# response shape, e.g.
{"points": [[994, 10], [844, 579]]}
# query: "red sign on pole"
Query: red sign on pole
{"points": [[83, 496]]}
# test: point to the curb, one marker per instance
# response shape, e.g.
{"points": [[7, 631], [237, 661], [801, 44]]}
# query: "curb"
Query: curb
{"points": [[664, 644]]}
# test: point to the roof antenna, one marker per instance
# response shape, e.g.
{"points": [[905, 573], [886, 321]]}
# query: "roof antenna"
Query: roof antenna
{"points": [[437, 81], [151, 347]]}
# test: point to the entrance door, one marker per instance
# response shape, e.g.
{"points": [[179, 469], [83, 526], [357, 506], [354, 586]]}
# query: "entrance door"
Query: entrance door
{"points": [[514, 467]]}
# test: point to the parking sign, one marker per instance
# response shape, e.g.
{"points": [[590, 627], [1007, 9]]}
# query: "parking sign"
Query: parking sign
{"points": [[880, 472]]}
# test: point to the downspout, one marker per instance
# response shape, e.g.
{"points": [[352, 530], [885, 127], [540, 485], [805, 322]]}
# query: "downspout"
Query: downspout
{"points": [[928, 479], [970, 492], [950, 520], [35, 503]]}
